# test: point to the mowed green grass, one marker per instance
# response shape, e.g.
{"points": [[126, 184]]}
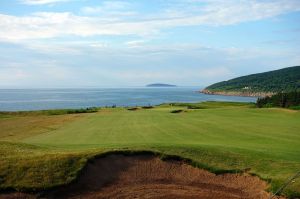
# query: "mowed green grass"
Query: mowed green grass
{"points": [[273, 132], [219, 136]]}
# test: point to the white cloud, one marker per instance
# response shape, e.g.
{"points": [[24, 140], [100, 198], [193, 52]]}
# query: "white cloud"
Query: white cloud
{"points": [[216, 72], [182, 75], [116, 7], [10, 75], [135, 43], [41, 2], [107, 65], [233, 11], [215, 13], [52, 48]]}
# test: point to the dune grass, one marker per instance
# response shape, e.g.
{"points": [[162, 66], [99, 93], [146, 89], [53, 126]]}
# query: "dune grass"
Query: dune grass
{"points": [[217, 136]]}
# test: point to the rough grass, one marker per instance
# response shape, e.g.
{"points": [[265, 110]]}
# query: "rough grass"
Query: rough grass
{"points": [[17, 127], [29, 168], [210, 104], [220, 137], [48, 112]]}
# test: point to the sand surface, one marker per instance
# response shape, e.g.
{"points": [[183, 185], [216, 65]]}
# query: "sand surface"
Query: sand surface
{"points": [[140, 176]]}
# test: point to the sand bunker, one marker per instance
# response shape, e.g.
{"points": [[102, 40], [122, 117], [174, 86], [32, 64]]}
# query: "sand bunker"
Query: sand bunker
{"points": [[118, 176]]}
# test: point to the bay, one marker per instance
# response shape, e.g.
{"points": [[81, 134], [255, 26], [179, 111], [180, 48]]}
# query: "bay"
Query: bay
{"points": [[43, 99]]}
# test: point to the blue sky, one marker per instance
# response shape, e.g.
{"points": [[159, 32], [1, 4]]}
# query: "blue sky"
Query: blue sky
{"points": [[114, 43]]}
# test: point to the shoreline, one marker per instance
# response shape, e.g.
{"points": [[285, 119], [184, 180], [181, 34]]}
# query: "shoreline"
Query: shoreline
{"points": [[236, 93]]}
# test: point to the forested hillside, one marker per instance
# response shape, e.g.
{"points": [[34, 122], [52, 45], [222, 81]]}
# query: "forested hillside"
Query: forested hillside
{"points": [[261, 84]]}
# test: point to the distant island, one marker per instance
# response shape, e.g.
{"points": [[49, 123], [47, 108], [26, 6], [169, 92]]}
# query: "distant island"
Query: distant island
{"points": [[260, 84], [160, 85]]}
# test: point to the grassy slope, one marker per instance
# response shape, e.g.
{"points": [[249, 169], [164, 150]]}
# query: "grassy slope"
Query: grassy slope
{"points": [[15, 127], [28, 167], [219, 136]]}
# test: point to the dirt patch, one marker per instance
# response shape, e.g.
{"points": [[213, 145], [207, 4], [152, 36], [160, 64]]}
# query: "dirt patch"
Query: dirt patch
{"points": [[140, 176]]}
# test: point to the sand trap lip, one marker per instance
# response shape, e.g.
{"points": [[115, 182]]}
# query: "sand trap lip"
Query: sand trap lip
{"points": [[147, 176]]}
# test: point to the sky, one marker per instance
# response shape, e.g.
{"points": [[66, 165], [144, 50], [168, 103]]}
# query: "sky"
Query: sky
{"points": [[116, 43]]}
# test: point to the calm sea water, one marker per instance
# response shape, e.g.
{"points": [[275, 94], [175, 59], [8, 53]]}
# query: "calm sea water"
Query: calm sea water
{"points": [[41, 99]]}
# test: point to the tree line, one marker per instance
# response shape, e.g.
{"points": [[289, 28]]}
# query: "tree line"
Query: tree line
{"points": [[282, 99]]}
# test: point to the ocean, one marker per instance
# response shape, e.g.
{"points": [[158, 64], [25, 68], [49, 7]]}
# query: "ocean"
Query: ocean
{"points": [[43, 99]]}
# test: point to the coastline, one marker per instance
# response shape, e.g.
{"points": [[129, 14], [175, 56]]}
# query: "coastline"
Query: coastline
{"points": [[236, 93]]}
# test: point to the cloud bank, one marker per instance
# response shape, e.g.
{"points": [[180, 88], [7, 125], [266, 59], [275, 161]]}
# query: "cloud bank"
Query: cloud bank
{"points": [[40, 25]]}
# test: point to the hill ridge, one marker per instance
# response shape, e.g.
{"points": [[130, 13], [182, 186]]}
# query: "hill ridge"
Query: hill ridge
{"points": [[259, 84]]}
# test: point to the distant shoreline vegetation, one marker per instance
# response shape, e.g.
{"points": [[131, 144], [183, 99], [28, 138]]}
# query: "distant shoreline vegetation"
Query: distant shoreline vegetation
{"points": [[160, 85], [51, 111], [237, 93], [260, 84]]}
